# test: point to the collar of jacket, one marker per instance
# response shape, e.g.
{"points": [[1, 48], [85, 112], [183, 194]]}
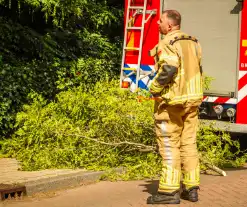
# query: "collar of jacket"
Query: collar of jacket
{"points": [[173, 32]]}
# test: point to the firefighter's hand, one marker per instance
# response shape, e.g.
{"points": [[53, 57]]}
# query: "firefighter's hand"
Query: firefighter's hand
{"points": [[158, 98]]}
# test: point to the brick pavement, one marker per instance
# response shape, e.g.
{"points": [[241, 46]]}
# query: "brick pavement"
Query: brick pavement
{"points": [[223, 191], [10, 173], [220, 191], [216, 191]]}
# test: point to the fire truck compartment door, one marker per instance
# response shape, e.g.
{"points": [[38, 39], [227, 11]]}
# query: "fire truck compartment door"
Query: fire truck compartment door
{"points": [[216, 25]]}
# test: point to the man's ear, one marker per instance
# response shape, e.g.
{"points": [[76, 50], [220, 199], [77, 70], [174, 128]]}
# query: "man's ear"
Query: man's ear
{"points": [[170, 25]]}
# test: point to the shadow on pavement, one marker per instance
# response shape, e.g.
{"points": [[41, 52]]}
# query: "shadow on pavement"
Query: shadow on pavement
{"points": [[236, 169], [151, 186]]}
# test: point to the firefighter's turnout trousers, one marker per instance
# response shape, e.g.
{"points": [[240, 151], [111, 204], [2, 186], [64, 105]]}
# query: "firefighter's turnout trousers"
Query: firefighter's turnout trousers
{"points": [[176, 128]]}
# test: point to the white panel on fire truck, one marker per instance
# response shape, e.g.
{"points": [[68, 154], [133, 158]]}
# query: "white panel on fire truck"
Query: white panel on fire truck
{"points": [[216, 25]]}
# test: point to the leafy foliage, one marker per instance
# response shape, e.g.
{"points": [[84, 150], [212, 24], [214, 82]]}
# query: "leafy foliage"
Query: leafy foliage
{"points": [[207, 80], [218, 147], [20, 44], [103, 128], [50, 46], [46, 79], [63, 13], [16, 83], [66, 133]]}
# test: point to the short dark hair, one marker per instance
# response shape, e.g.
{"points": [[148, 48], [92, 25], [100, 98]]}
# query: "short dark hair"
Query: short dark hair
{"points": [[174, 15]]}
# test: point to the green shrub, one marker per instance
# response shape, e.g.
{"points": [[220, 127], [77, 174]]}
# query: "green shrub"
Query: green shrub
{"points": [[48, 59], [101, 129], [217, 146], [16, 82], [47, 79], [70, 131]]}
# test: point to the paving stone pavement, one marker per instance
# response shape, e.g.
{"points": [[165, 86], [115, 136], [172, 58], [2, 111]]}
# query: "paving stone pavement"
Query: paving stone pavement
{"points": [[216, 191], [10, 173]]}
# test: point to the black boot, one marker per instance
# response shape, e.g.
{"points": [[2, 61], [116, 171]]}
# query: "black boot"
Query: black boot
{"points": [[190, 194], [164, 198]]}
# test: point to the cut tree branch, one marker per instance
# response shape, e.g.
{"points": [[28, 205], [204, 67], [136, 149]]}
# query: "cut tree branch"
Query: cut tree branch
{"points": [[146, 148]]}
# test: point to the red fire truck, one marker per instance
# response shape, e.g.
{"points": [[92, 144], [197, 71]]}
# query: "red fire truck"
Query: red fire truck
{"points": [[221, 28]]}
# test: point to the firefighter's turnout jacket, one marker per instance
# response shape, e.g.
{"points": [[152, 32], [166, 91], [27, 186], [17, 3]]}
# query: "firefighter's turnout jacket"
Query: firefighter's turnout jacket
{"points": [[178, 63]]}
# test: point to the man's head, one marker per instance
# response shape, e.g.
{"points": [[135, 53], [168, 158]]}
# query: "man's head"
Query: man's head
{"points": [[170, 20]]}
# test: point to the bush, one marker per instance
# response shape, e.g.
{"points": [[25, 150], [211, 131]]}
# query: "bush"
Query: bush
{"points": [[101, 129], [47, 60], [217, 146], [47, 79], [16, 82], [72, 131]]}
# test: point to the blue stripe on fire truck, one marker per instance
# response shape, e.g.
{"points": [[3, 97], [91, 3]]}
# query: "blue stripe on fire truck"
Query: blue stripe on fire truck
{"points": [[143, 83]]}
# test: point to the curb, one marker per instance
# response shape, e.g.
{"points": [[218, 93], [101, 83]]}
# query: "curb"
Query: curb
{"points": [[62, 181]]}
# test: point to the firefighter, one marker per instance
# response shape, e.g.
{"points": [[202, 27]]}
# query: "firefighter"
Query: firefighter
{"points": [[178, 92]]}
